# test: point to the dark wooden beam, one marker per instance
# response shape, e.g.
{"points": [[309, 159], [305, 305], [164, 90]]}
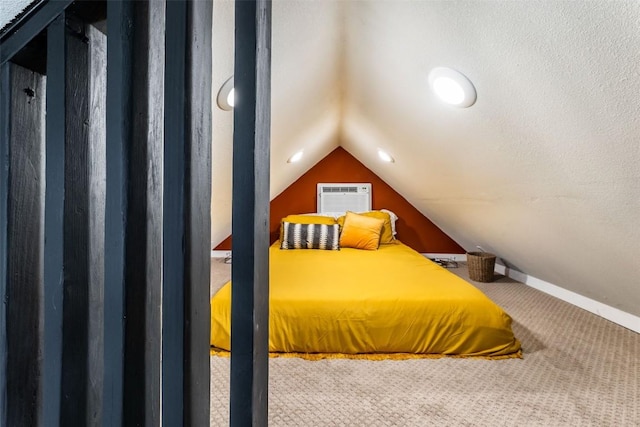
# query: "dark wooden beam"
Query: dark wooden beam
{"points": [[198, 215], [75, 334], [5, 137], [120, 19], [53, 220], [83, 225], [144, 240], [175, 133], [26, 237], [96, 172], [17, 35], [250, 218], [187, 197]]}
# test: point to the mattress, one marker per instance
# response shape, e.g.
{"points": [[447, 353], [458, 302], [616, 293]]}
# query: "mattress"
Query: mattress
{"points": [[391, 300]]}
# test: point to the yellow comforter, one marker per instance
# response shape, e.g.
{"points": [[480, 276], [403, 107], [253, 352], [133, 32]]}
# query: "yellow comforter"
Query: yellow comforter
{"points": [[392, 300]]}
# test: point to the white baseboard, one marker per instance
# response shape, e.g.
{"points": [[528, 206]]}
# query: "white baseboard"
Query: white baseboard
{"points": [[612, 314], [220, 254]]}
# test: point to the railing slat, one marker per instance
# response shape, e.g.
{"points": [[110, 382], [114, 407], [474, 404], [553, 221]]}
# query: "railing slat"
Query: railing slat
{"points": [[173, 209], [119, 131], [83, 224], [144, 209], [198, 215], [54, 220], [5, 137], [26, 221], [250, 217]]}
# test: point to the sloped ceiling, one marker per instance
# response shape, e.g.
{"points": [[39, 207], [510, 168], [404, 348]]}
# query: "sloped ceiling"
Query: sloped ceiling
{"points": [[307, 66], [9, 9], [542, 170]]}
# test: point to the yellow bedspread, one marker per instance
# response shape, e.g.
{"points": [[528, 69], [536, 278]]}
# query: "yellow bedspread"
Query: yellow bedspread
{"points": [[392, 300]]}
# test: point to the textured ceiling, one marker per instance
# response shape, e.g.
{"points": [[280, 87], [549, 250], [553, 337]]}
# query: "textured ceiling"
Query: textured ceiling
{"points": [[9, 9], [542, 170]]}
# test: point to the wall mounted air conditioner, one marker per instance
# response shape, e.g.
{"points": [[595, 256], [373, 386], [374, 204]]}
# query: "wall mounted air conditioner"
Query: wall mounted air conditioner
{"points": [[340, 197]]}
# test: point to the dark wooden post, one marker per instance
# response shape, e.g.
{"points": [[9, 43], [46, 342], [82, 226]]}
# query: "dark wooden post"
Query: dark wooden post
{"points": [[25, 268], [83, 225], [144, 212], [187, 198], [5, 136], [133, 264], [250, 218], [198, 214], [173, 295], [119, 134], [54, 220], [96, 191]]}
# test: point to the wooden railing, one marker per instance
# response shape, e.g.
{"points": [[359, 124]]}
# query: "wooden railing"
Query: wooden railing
{"points": [[105, 173]]}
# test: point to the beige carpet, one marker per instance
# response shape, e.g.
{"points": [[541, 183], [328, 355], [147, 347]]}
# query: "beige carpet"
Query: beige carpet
{"points": [[578, 370]]}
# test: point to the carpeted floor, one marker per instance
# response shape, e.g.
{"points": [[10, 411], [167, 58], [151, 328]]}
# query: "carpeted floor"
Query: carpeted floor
{"points": [[578, 369]]}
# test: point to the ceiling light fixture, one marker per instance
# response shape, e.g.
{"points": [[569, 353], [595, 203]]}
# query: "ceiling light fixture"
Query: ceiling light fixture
{"points": [[226, 95], [452, 87], [231, 100], [384, 156], [296, 157]]}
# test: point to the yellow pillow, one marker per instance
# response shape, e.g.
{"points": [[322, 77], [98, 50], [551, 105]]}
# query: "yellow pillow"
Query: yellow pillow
{"points": [[306, 219], [386, 235], [361, 232]]}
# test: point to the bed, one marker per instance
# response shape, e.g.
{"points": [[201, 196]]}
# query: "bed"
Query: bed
{"points": [[387, 301]]}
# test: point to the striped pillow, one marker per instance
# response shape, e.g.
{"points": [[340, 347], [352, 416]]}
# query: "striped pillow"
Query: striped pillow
{"points": [[310, 236]]}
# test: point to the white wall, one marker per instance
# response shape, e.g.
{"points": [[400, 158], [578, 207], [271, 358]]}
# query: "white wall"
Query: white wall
{"points": [[306, 95]]}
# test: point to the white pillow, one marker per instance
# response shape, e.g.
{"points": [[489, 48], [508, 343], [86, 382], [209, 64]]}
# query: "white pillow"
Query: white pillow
{"points": [[394, 218]]}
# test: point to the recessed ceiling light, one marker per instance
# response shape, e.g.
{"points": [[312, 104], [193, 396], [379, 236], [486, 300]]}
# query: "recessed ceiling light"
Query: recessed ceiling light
{"points": [[384, 156], [452, 87], [226, 95], [231, 100], [296, 157]]}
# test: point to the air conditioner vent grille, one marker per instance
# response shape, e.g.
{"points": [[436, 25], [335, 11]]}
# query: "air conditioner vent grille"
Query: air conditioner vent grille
{"points": [[350, 189], [340, 197]]}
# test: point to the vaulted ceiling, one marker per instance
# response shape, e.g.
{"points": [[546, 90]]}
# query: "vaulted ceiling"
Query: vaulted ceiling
{"points": [[542, 170]]}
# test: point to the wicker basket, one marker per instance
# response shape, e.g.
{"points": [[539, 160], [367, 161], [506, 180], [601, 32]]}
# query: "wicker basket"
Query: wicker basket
{"points": [[481, 265]]}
